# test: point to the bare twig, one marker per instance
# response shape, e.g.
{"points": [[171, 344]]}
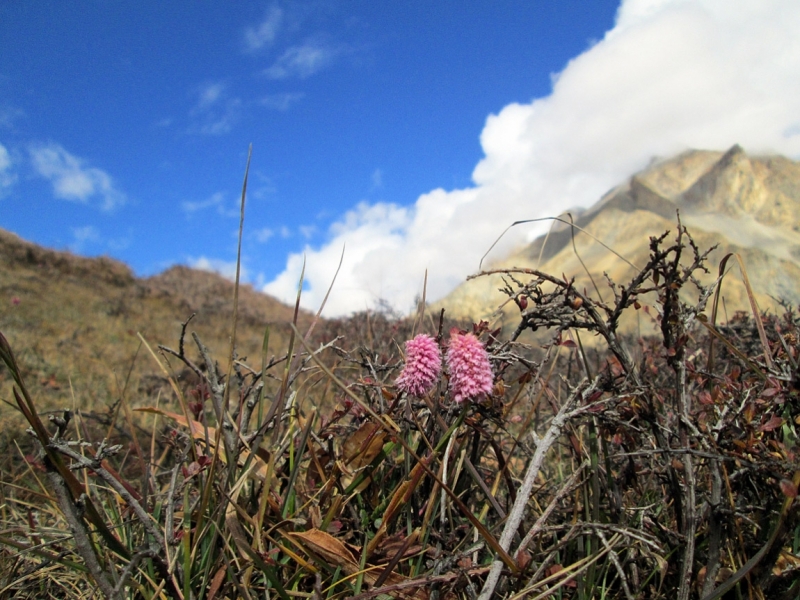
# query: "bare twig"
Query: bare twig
{"points": [[83, 544], [524, 493]]}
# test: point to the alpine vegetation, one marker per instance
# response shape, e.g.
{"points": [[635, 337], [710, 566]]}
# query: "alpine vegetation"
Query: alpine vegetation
{"points": [[470, 371], [559, 458], [423, 366]]}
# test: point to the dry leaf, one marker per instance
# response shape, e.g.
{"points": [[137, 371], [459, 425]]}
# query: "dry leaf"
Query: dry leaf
{"points": [[772, 424], [329, 548], [336, 553], [788, 488], [198, 431], [363, 446]]}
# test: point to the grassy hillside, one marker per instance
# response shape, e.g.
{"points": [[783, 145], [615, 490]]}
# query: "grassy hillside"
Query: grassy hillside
{"points": [[75, 323]]}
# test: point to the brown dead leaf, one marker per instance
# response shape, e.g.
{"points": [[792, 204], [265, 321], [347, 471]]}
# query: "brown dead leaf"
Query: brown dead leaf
{"points": [[363, 446], [337, 554], [198, 432], [788, 488], [216, 583], [786, 562], [523, 559], [359, 450], [394, 544], [328, 547], [772, 424]]}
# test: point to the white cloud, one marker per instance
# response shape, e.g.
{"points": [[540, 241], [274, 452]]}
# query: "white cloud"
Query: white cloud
{"points": [[281, 101], [670, 75], [307, 231], [7, 176], [264, 34], [215, 112], [83, 236], [9, 114], [215, 201], [222, 267], [377, 179], [72, 179], [301, 61], [209, 95], [263, 235]]}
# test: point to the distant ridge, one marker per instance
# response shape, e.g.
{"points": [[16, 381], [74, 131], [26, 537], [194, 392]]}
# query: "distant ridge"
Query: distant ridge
{"points": [[16, 252], [194, 289], [74, 323], [745, 204]]}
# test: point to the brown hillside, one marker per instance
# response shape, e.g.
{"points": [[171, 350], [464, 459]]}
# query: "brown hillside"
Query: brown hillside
{"points": [[73, 323]]}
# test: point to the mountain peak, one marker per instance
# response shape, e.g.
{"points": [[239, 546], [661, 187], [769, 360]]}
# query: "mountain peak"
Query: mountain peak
{"points": [[749, 205], [730, 187]]}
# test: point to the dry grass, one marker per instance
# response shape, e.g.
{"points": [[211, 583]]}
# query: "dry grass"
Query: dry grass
{"points": [[643, 469], [76, 322]]}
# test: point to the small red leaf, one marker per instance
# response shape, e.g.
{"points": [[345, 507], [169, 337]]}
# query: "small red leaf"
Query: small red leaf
{"points": [[772, 424], [523, 559], [788, 488]]}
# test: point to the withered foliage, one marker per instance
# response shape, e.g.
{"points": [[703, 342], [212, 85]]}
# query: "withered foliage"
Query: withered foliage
{"points": [[634, 468]]}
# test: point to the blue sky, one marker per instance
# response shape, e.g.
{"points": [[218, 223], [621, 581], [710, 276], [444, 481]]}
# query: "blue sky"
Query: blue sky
{"points": [[409, 133]]}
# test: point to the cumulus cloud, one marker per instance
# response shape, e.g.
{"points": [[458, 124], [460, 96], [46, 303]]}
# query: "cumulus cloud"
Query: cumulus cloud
{"points": [[222, 267], [264, 34], [7, 175], [72, 179], [301, 61], [670, 75]]}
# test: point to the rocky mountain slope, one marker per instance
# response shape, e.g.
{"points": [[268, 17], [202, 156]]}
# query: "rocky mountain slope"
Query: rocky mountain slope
{"points": [[748, 205]]}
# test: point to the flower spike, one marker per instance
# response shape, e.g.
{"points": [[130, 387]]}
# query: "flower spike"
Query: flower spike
{"points": [[423, 366]]}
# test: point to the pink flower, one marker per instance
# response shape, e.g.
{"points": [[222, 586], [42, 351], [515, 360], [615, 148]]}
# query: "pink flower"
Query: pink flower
{"points": [[423, 366], [470, 371]]}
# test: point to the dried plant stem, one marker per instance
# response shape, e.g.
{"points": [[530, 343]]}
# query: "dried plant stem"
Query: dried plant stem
{"points": [[617, 565], [83, 544], [158, 544], [715, 529], [129, 569], [540, 522], [524, 493], [83, 462], [217, 389], [689, 491]]}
